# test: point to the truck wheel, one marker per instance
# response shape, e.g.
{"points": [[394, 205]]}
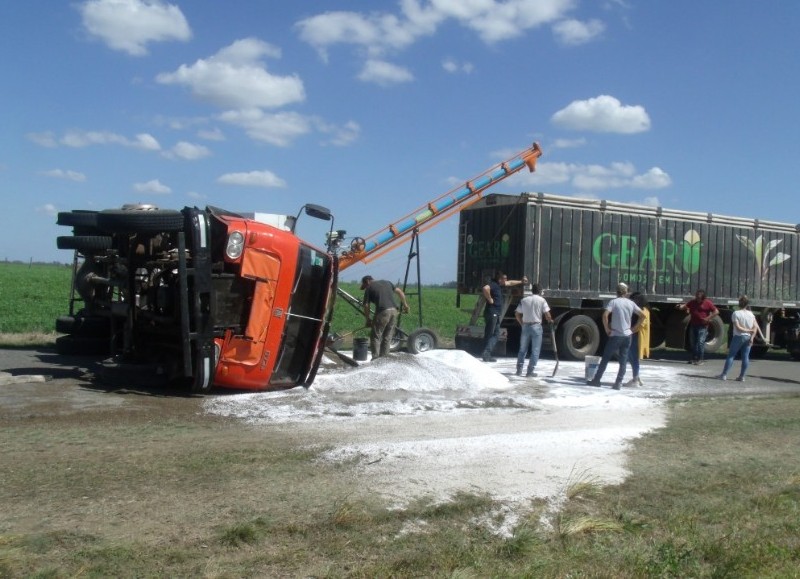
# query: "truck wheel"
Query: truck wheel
{"points": [[578, 337], [85, 244], [421, 340], [82, 346], [131, 221], [83, 222], [716, 336], [88, 326]]}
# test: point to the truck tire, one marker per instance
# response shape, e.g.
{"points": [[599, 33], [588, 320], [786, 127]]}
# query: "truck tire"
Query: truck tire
{"points": [[716, 336], [83, 222], [578, 337], [131, 221], [70, 345], [88, 326], [421, 340], [85, 244]]}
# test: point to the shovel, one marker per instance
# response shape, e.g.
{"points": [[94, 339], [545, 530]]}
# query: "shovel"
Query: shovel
{"points": [[555, 348]]}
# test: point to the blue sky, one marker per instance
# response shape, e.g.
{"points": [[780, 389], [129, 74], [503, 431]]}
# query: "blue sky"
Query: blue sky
{"points": [[375, 108]]}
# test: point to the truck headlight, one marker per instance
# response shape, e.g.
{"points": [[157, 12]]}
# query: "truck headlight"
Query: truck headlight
{"points": [[235, 245]]}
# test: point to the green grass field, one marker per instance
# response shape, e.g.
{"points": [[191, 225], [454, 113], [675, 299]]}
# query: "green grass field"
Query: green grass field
{"points": [[33, 296]]}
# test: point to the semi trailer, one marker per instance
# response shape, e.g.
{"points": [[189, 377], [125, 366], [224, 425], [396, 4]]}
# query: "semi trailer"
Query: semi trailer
{"points": [[578, 250]]}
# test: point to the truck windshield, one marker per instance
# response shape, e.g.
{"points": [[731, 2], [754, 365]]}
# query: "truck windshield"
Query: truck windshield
{"points": [[312, 286]]}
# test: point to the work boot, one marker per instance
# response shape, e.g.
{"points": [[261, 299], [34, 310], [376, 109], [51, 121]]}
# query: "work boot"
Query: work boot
{"points": [[488, 358], [631, 382], [519, 370], [594, 382], [740, 379], [531, 374], [617, 385]]}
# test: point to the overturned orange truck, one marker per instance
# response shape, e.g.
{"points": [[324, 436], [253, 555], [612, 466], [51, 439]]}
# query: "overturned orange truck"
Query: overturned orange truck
{"points": [[208, 297], [202, 297]]}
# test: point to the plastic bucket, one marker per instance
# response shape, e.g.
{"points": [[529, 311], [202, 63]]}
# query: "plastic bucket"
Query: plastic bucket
{"points": [[360, 349], [591, 363]]}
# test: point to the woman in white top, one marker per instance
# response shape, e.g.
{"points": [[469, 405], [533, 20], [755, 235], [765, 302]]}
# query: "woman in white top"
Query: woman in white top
{"points": [[745, 329]]}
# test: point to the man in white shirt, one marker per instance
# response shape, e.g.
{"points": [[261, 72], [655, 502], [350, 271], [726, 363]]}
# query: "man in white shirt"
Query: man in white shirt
{"points": [[617, 323], [530, 313]]}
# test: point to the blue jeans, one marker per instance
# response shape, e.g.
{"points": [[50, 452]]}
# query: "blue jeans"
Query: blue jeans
{"points": [[491, 333], [697, 341], [530, 339], [633, 354], [738, 343], [619, 345]]}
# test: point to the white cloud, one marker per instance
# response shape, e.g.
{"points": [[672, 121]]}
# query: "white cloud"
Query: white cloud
{"points": [[79, 139], [379, 33], [130, 25], [275, 128], [568, 143], [45, 139], [602, 114], [68, 175], [236, 78], [453, 66], [384, 73], [340, 136], [187, 151], [152, 186], [588, 178], [47, 209], [266, 179], [574, 32], [214, 134]]}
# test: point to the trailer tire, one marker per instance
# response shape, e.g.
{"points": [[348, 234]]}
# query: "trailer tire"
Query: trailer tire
{"points": [[132, 221], [578, 337], [716, 336], [421, 340]]}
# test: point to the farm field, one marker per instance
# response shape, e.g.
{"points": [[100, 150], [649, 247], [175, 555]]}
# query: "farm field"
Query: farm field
{"points": [[33, 296]]}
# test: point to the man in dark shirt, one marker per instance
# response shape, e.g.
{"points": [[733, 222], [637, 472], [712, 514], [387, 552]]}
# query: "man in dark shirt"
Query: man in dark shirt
{"points": [[493, 311], [380, 293], [701, 312]]}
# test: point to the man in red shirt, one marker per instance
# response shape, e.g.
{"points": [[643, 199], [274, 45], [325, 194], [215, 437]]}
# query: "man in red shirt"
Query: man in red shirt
{"points": [[701, 312]]}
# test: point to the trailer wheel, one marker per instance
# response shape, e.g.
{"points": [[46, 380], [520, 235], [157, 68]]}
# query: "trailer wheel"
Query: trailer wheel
{"points": [[578, 337], [716, 336], [421, 340], [131, 221]]}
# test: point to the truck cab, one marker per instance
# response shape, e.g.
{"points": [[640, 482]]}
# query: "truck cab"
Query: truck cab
{"points": [[202, 297]]}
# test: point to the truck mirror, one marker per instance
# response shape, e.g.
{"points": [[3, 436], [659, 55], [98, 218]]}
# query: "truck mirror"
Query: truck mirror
{"points": [[318, 211]]}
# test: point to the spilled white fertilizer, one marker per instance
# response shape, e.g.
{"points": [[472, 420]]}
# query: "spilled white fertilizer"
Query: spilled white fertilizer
{"points": [[442, 422]]}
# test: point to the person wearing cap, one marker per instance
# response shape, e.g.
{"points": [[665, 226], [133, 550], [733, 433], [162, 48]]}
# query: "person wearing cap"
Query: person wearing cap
{"points": [[381, 294], [617, 323]]}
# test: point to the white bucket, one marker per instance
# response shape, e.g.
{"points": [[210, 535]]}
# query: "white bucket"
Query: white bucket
{"points": [[591, 363]]}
